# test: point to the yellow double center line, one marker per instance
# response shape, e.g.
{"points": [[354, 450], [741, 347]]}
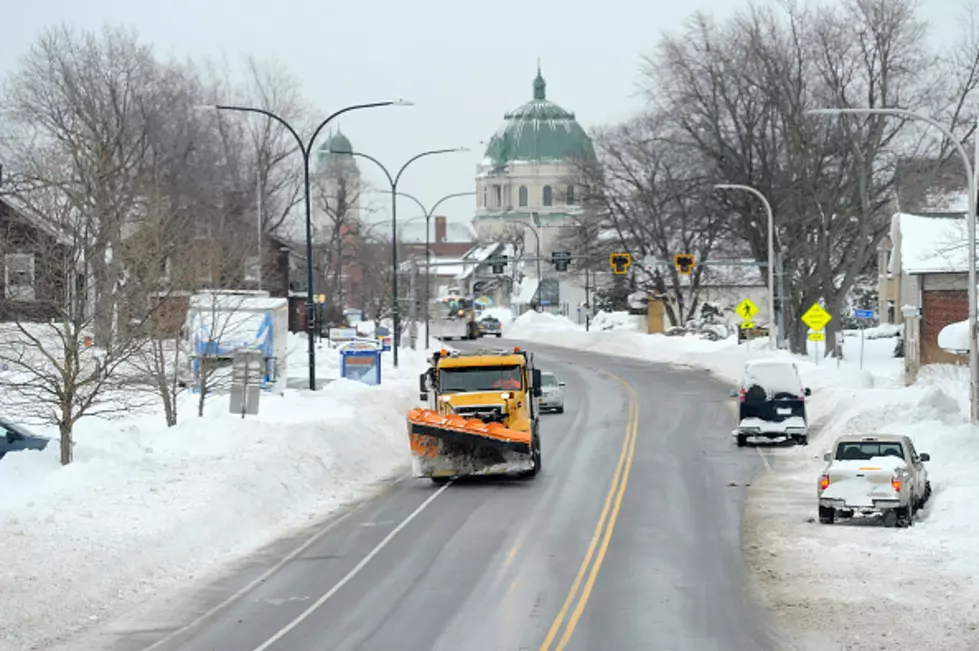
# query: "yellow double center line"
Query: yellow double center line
{"points": [[603, 533]]}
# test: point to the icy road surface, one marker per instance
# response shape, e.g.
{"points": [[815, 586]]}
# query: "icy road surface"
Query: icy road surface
{"points": [[582, 557]]}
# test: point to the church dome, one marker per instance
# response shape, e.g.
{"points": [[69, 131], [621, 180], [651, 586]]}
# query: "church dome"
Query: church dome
{"points": [[335, 154], [538, 131]]}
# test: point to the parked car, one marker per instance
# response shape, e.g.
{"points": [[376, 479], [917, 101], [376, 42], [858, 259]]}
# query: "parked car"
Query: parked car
{"points": [[772, 402], [490, 325], [552, 393], [873, 475], [14, 438]]}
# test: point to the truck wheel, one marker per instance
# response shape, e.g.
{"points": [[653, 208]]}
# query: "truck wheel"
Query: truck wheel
{"points": [[559, 410], [440, 480], [499, 334], [802, 439], [905, 517], [826, 515], [742, 440]]}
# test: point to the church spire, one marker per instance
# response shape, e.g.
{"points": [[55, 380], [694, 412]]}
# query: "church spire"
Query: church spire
{"points": [[540, 86]]}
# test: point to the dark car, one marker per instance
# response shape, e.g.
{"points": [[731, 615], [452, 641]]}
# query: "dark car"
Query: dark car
{"points": [[490, 325], [772, 402], [14, 438]]}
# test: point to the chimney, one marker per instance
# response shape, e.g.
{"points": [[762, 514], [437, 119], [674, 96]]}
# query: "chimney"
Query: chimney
{"points": [[440, 230]]}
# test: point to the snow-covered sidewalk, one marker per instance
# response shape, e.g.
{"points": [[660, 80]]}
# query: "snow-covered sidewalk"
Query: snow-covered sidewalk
{"points": [[846, 586], [145, 509]]}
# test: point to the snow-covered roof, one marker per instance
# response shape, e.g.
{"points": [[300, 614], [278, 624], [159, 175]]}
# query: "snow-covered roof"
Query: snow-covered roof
{"points": [[928, 244], [528, 287]]}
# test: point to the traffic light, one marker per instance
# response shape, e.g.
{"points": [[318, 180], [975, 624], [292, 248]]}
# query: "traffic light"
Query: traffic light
{"points": [[561, 260], [499, 263], [620, 262], [684, 263]]}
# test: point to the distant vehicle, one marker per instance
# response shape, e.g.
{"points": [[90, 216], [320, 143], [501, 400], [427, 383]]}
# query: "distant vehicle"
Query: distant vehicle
{"points": [[772, 402], [453, 317], [869, 475], [490, 325], [14, 438], [552, 393]]}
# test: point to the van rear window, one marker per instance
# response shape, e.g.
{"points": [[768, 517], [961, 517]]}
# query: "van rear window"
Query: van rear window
{"points": [[775, 379]]}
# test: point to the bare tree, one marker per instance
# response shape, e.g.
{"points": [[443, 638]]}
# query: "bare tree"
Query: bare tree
{"points": [[737, 94], [650, 197]]}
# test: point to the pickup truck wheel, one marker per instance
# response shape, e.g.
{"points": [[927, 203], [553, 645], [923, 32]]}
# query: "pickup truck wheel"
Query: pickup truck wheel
{"points": [[905, 517], [801, 439], [440, 480], [742, 440], [826, 515], [499, 334]]}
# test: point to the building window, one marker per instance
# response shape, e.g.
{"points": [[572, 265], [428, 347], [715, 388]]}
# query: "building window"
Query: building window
{"points": [[497, 196], [18, 276], [548, 196], [570, 195], [485, 192], [522, 195], [253, 269]]}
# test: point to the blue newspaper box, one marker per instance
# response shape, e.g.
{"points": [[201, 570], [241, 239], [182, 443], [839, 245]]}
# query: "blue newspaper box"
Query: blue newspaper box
{"points": [[361, 361]]}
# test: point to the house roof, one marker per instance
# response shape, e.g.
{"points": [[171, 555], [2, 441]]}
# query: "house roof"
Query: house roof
{"points": [[14, 208], [928, 244]]}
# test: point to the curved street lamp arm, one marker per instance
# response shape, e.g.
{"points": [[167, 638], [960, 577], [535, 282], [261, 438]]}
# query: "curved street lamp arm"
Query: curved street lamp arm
{"points": [[268, 114], [370, 158], [418, 202], [450, 196], [411, 160], [354, 107]]}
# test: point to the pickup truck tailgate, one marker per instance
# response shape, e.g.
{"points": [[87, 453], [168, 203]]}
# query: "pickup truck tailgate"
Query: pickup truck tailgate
{"points": [[861, 483]]}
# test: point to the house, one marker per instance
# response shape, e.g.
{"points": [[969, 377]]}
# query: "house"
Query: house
{"points": [[37, 267], [446, 256], [923, 282]]}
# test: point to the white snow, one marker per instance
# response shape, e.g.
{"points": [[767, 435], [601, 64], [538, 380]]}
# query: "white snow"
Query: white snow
{"points": [[954, 337], [853, 586], [145, 509]]}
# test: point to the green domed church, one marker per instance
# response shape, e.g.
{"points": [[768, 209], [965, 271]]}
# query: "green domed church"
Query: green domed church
{"points": [[525, 175]]}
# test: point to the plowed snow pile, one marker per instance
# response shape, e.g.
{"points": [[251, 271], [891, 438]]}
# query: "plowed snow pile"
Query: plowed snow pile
{"points": [[144, 509]]}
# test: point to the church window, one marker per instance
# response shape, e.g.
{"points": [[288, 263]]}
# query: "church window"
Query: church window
{"points": [[570, 195], [522, 195], [548, 196]]}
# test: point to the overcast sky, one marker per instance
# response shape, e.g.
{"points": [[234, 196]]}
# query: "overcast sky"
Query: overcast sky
{"points": [[464, 64]]}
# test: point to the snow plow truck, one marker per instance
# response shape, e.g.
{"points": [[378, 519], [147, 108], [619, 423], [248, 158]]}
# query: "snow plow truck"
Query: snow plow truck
{"points": [[481, 416]]}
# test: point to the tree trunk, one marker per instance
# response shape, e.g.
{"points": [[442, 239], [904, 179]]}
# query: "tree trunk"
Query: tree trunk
{"points": [[798, 338], [202, 387], [67, 444]]}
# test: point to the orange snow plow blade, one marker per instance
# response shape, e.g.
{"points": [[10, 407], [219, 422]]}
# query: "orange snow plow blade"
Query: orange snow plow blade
{"points": [[453, 445]]}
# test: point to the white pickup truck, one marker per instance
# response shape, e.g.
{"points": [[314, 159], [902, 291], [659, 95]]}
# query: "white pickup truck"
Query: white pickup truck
{"points": [[873, 475]]}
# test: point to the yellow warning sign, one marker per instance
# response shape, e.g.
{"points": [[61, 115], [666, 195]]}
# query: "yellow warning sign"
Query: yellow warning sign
{"points": [[816, 318], [746, 309]]}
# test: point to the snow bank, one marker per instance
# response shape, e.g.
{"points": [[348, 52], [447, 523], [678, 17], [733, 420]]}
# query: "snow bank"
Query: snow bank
{"points": [[619, 321], [214, 488]]}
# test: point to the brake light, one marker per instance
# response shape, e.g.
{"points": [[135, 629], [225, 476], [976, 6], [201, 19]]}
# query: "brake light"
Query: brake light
{"points": [[896, 484], [824, 482], [742, 394], [516, 349]]}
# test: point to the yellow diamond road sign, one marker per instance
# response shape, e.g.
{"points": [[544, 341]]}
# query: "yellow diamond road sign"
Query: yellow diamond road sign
{"points": [[746, 309], [816, 317]]}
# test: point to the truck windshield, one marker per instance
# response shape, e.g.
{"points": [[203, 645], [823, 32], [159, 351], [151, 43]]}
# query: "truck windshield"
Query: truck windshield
{"points": [[866, 450], [485, 378]]}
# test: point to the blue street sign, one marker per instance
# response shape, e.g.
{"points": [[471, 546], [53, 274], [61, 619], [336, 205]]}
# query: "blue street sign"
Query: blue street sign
{"points": [[863, 314], [361, 361]]}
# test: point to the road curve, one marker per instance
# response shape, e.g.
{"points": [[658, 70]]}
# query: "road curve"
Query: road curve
{"points": [[628, 539]]}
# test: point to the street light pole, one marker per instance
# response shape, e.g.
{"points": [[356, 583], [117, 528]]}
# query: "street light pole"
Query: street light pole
{"points": [[971, 218], [306, 150], [393, 181], [772, 324], [428, 218]]}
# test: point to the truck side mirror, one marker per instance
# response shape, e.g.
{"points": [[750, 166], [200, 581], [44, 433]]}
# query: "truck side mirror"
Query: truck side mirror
{"points": [[537, 380], [423, 395], [423, 382], [924, 456], [807, 391], [827, 456]]}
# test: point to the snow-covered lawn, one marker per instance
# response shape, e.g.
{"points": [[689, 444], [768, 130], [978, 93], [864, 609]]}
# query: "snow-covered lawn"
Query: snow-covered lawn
{"points": [[848, 586], [144, 509]]}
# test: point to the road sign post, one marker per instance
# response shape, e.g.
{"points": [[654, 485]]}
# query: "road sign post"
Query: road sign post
{"points": [[816, 317], [863, 315]]}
